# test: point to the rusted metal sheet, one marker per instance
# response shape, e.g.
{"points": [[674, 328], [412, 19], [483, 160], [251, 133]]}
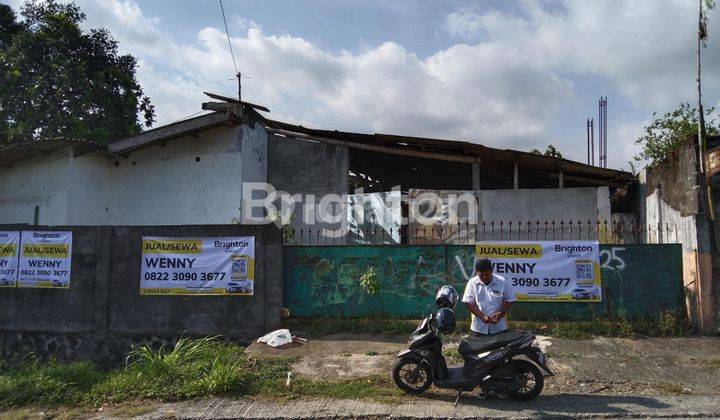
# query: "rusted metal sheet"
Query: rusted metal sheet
{"points": [[712, 161]]}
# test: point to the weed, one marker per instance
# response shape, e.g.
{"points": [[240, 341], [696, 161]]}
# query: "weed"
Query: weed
{"points": [[371, 353], [662, 325], [672, 388], [452, 356], [369, 281], [49, 383], [563, 355], [714, 362]]}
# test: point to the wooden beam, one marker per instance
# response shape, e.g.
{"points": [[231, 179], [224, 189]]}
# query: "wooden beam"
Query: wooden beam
{"points": [[375, 148], [233, 100], [169, 131], [561, 180], [34, 150], [516, 175], [585, 180], [234, 109], [476, 176]]}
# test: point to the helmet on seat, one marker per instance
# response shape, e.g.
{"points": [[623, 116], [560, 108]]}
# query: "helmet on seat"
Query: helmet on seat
{"points": [[446, 297], [445, 320]]}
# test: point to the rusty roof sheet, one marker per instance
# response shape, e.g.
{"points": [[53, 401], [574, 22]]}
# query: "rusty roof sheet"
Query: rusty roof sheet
{"points": [[16, 152], [463, 148]]}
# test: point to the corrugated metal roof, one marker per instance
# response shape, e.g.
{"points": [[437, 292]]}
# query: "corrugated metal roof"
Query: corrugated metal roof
{"points": [[464, 148], [16, 152]]}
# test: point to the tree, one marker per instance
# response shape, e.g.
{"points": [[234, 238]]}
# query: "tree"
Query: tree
{"points": [[9, 27], [549, 151], [665, 133], [58, 81]]}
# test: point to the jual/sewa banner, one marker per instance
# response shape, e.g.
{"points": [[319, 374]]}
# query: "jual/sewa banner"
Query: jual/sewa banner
{"points": [[45, 259], [9, 242], [547, 271], [197, 266]]}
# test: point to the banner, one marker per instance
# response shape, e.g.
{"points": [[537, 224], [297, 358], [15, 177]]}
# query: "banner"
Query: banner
{"points": [[9, 244], [45, 259], [547, 271], [197, 266]]}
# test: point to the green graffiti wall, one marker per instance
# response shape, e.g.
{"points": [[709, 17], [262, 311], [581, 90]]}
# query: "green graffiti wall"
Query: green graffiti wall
{"points": [[324, 281]]}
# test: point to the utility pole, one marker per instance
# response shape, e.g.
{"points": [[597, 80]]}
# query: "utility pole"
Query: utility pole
{"points": [[701, 117], [239, 77], [702, 138]]}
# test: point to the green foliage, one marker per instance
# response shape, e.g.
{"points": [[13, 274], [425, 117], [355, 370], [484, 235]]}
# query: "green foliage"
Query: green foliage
{"points": [[369, 281], [665, 133], [549, 151], [662, 324], [193, 368], [9, 27], [200, 368], [47, 383], [58, 81]]}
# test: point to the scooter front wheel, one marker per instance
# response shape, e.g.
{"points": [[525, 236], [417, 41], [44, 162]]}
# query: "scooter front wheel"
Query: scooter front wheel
{"points": [[412, 376]]}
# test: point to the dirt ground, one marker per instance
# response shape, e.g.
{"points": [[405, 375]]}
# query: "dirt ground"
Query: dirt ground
{"points": [[647, 366]]}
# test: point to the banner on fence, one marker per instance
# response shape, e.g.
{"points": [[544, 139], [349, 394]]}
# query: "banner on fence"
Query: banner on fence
{"points": [[543, 271], [45, 259], [197, 266], [9, 245]]}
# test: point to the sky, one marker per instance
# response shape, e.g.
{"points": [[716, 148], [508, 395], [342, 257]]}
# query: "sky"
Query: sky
{"points": [[509, 74]]}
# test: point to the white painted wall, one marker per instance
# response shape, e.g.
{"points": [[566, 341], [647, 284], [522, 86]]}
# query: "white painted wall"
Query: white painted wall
{"points": [[154, 185], [36, 182], [574, 204]]}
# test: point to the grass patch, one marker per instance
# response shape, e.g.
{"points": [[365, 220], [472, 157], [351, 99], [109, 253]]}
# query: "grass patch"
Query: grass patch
{"points": [[663, 324], [672, 388], [713, 363], [562, 355], [200, 368]]}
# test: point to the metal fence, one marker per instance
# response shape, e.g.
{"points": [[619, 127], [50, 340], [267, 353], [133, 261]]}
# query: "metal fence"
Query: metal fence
{"points": [[503, 230]]}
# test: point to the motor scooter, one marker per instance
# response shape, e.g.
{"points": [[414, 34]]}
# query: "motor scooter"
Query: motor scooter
{"points": [[504, 363]]}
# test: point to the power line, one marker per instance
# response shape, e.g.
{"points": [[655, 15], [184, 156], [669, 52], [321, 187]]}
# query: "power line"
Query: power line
{"points": [[222, 10]]}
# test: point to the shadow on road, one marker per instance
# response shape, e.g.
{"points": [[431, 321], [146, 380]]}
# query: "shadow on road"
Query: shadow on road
{"points": [[568, 404]]}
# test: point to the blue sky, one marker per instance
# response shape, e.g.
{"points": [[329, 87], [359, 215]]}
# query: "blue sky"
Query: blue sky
{"points": [[511, 74]]}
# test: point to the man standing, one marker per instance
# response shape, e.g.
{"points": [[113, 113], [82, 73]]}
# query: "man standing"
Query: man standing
{"points": [[488, 297]]}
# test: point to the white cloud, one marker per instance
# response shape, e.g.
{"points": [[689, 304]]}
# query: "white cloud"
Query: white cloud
{"points": [[508, 82]]}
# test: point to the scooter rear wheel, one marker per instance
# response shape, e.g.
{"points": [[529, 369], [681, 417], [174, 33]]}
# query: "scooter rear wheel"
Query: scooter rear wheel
{"points": [[412, 376], [531, 381]]}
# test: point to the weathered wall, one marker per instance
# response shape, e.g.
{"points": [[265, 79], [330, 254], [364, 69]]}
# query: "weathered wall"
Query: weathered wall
{"points": [[323, 281], [302, 167], [40, 181], [102, 312], [672, 199], [190, 180], [546, 204]]}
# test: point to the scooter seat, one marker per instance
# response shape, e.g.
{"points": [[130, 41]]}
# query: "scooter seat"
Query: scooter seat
{"points": [[475, 345]]}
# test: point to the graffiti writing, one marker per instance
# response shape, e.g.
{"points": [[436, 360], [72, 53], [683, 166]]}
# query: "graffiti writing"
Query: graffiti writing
{"points": [[613, 260]]}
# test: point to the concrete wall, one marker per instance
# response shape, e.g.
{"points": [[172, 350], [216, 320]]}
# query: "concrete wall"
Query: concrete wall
{"points": [[672, 199], [304, 167], [102, 313], [189, 180], [321, 281], [546, 204], [40, 182]]}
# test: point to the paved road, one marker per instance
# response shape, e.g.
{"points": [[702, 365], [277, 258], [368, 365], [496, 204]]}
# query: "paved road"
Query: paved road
{"points": [[560, 405]]}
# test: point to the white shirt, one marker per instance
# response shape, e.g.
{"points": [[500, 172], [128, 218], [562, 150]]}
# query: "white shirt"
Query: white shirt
{"points": [[489, 298]]}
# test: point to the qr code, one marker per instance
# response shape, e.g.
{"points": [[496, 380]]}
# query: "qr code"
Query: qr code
{"points": [[584, 271], [239, 268]]}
